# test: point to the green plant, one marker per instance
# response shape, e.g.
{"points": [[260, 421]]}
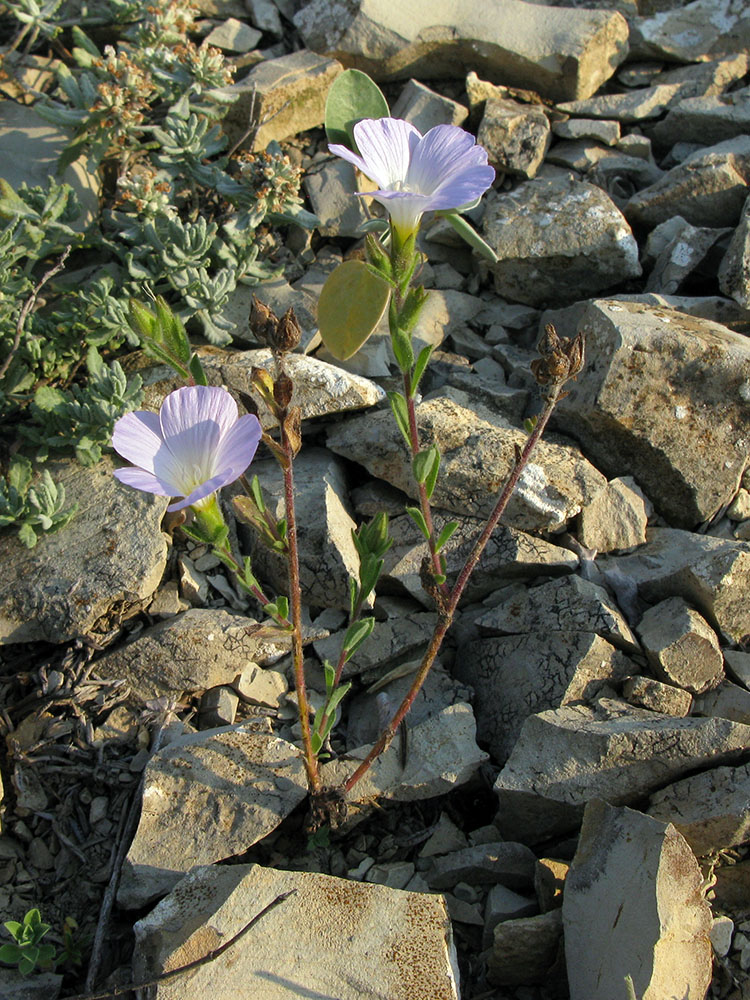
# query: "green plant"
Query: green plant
{"points": [[27, 952], [31, 508]]}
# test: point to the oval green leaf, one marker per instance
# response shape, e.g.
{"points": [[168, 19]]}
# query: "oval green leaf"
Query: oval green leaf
{"points": [[351, 305], [352, 97]]}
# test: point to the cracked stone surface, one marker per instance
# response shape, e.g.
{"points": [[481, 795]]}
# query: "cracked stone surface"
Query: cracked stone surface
{"points": [[198, 649], [567, 604], [401, 941], [616, 519], [566, 756], [510, 555], [64, 588], [634, 905], [660, 394], [207, 797], [477, 449], [324, 526], [516, 676]]}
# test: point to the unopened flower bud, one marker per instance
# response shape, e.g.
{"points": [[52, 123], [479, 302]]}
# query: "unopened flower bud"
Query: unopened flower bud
{"points": [[283, 387], [262, 321]]}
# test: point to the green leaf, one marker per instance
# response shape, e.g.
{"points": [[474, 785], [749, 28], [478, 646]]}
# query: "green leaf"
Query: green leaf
{"points": [[10, 954], [356, 635], [400, 414], [423, 462], [416, 376], [257, 493], [418, 518], [350, 307], [471, 236], [445, 534], [352, 596], [196, 370], [352, 97], [19, 477], [14, 927], [429, 483], [27, 536]]}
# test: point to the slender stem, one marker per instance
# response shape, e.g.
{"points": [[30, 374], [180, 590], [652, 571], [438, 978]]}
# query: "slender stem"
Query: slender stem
{"points": [[446, 613], [424, 500], [311, 761]]}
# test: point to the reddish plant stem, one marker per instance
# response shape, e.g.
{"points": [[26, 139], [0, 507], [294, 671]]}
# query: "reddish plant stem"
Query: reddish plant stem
{"points": [[447, 610], [311, 761], [424, 500]]}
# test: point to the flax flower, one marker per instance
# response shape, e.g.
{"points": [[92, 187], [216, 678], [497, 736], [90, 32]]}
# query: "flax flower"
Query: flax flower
{"points": [[192, 447], [415, 173]]}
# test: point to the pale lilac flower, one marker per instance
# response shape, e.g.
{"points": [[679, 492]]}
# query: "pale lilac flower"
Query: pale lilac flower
{"points": [[416, 173], [192, 447]]}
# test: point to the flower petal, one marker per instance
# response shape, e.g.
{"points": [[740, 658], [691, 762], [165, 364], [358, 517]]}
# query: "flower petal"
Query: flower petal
{"points": [[205, 489], [404, 208], [450, 167], [347, 154], [193, 421], [238, 446], [137, 438], [140, 479], [386, 145]]}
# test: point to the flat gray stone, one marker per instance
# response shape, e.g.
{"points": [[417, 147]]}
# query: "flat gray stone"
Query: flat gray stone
{"points": [[708, 188], [198, 649], [515, 676], [516, 136], [713, 574], [734, 270], [525, 950], [511, 865], [568, 604], [616, 518], [634, 905], [711, 810], [567, 756], [645, 692], [207, 797], [477, 449], [680, 646], [558, 241], [425, 108], [708, 27], [400, 941], [108, 561], [653, 399], [561, 53], [706, 120]]}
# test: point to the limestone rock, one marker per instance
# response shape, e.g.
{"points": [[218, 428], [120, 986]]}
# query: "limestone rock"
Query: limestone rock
{"points": [[713, 574], [706, 120], [682, 256], [607, 132], [425, 109], [680, 646], [233, 36], [515, 676], [737, 665], [397, 639], [401, 941], [205, 798], [634, 906], [566, 756], [320, 389], [198, 649], [29, 151], [525, 950], [632, 106], [558, 241], [331, 188], [108, 560], [516, 137], [708, 188], [667, 389], [477, 449], [727, 701], [645, 692], [504, 904], [710, 810], [511, 865], [40, 986], [288, 94], [616, 518], [510, 555], [561, 53], [734, 271], [442, 754], [324, 526], [569, 604], [711, 27]]}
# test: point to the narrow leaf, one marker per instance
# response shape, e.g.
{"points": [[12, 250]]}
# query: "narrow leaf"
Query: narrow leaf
{"points": [[356, 635], [400, 414], [418, 518], [431, 480], [471, 236], [416, 376], [445, 534]]}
